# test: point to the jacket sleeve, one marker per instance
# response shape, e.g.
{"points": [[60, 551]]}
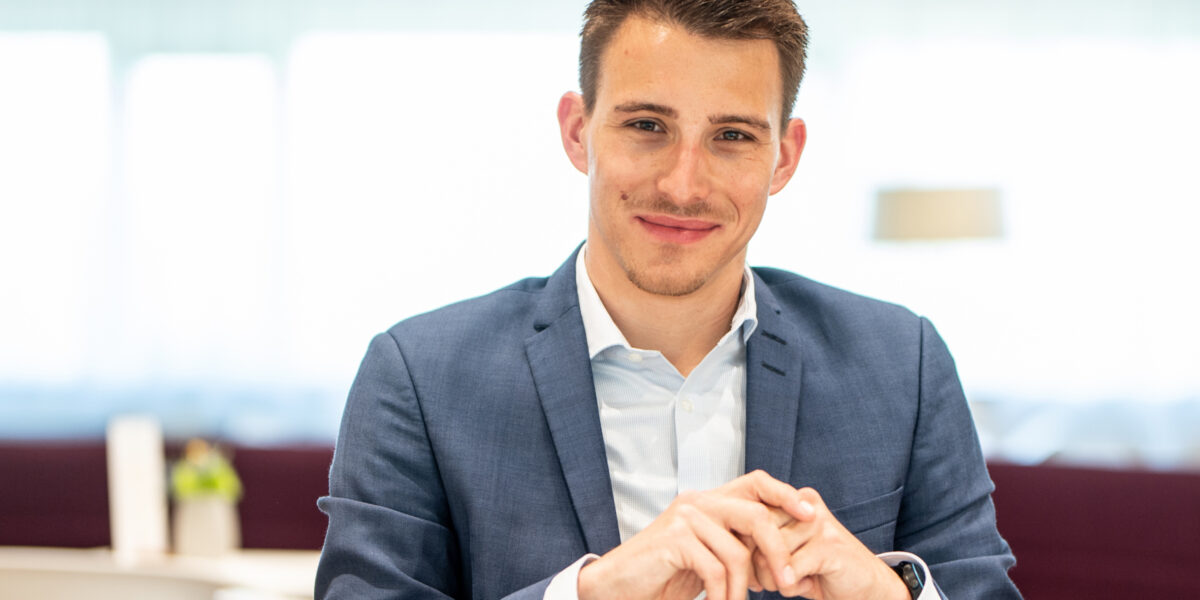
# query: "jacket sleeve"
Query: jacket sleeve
{"points": [[390, 530], [947, 517]]}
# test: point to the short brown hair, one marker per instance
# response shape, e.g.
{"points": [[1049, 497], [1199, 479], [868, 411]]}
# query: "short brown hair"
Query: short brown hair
{"points": [[775, 20]]}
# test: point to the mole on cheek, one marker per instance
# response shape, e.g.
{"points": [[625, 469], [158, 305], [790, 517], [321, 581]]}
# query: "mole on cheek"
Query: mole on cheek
{"points": [[624, 196]]}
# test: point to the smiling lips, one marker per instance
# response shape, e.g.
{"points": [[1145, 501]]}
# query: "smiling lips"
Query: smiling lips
{"points": [[677, 231]]}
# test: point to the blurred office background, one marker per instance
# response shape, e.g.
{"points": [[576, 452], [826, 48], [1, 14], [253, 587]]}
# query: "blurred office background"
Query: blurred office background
{"points": [[207, 209]]}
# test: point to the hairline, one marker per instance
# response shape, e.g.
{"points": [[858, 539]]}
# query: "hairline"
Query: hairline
{"points": [[654, 16]]}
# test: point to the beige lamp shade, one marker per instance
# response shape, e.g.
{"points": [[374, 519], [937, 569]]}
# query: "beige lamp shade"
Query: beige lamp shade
{"points": [[937, 214]]}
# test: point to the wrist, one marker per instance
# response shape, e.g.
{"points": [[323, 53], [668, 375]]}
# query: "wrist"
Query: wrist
{"points": [[896, 590], [587, 584]]}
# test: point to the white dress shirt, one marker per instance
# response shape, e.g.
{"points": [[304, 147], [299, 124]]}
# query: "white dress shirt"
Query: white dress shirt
{"points": [[665, 433]]}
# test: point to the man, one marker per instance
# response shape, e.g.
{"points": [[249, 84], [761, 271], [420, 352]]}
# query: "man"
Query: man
{"points": [[586, 434]]}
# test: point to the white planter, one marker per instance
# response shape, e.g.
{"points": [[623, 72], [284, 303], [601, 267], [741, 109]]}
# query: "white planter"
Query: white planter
{"points": [[206, 526]]}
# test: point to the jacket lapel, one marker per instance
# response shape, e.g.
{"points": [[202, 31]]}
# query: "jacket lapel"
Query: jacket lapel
{"points": [[562, 374], [772, 388]]}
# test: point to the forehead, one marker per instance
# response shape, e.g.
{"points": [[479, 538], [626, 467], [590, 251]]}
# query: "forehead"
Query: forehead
{"points": [[661, 63]]}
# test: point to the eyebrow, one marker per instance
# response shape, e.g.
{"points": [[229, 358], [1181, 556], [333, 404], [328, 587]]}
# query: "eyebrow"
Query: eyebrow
{"points": [[759, 124], [631, 107], [667, 111]]}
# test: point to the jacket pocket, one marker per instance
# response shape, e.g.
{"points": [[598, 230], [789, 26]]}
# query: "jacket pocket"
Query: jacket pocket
{"points": [[873, 521]]}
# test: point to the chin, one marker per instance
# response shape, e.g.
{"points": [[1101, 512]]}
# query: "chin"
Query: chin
{"points": [[670, 283]]}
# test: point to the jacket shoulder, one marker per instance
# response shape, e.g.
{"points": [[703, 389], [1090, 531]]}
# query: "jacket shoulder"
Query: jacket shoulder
{"points": [[834, 313], [508, 308], [791, 288]]}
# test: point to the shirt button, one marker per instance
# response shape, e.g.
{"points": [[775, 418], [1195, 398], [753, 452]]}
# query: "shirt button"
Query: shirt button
{"points": [[635, 357], [686, 405]]}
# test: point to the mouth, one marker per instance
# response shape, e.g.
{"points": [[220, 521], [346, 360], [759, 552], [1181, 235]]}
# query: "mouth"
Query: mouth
{"points": [[676, 231]]}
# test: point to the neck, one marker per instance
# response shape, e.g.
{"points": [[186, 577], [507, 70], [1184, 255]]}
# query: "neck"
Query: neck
{"points": [[683, 328]]}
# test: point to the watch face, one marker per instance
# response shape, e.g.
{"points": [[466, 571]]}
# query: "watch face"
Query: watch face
{"points": [[911, 577]]}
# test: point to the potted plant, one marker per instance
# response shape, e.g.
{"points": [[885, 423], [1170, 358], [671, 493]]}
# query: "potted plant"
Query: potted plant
{"points": [[206, 490]]}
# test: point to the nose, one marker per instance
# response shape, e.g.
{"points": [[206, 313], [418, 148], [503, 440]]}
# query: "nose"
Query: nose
{"points": [[685, 178]]}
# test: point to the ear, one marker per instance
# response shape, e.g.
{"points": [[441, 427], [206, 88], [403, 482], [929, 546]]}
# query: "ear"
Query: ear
{"points": [[571, 120], [791, 144]]}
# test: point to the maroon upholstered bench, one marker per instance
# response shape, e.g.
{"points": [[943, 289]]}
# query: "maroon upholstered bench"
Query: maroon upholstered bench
{"points": [[1099, 533], [53, 494], [282, 484]]}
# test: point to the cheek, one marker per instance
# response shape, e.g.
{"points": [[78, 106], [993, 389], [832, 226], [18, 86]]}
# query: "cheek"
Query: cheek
{"points": [[748, 191], [744, 174], [750, 201], [619, 167]]}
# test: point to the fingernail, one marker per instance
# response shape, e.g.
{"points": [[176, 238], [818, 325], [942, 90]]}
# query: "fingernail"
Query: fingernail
{"points": [[789, 575], [807, 508]]}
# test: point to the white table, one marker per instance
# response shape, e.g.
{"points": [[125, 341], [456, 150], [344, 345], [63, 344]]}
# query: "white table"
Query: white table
{"points": [[62, 573]]}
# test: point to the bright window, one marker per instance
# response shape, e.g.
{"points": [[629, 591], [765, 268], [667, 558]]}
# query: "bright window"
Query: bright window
{"points": [[209, 224]]}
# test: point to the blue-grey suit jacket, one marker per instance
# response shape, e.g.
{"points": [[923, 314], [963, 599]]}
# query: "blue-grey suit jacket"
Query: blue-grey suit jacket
{"points": [[470, 462]]}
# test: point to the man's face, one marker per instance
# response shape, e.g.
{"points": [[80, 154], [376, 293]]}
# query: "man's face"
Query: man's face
{"points": [[682, 149]]}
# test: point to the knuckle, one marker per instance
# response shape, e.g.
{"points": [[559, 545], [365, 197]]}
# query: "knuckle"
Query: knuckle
{"points": [[760, 513], [829, 534], [676, 527], [687, 512]]}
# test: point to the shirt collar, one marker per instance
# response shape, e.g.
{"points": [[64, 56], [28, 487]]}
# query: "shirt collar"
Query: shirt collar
{"points": [[602, 333]]}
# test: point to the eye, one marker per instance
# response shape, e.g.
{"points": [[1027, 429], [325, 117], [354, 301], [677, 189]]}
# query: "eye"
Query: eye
{"points": [[733, 135], [647, 125]]}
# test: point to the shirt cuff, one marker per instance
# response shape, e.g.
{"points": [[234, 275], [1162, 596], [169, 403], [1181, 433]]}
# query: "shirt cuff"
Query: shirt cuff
{"points": [[929, 590], [565, 585]]}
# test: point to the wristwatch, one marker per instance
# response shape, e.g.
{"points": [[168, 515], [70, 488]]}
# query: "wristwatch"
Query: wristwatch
{"points": [[910, 574]]}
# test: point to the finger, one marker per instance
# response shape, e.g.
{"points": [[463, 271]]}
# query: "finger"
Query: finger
{"points": [[700, 560], [753, 582], [762, 572], [807, 587], [752, 519], [810, 502], [761, 487], [780, 516], [734, 556], [797, 533], [807, 562]]}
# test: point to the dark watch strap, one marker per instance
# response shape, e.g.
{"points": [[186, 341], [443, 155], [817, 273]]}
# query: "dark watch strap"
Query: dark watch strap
{"points": [[910, 574]]}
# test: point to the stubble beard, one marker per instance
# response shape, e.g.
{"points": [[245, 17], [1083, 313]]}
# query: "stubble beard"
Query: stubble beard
{"points": [[663, 277], [664, 284]]}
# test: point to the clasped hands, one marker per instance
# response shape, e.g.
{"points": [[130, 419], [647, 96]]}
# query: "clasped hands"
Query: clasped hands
{"points": [[753, 533]]}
